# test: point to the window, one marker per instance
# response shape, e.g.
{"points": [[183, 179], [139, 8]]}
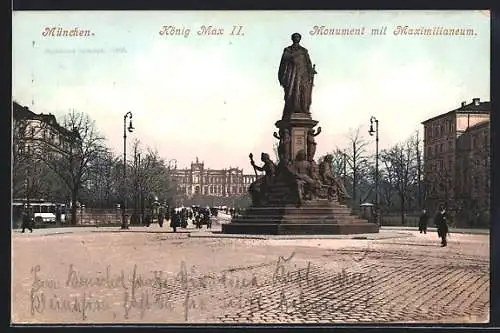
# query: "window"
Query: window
{"points": [[441, 148]]}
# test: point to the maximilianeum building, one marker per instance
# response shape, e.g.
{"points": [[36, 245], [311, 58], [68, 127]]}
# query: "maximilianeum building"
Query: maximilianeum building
{"points": [[205, 186], [457, 162]]}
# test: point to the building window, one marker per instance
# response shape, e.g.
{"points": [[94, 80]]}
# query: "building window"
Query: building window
{"points": [[441, 148]]}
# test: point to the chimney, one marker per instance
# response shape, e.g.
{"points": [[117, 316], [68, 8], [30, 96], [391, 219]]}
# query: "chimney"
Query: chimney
{"points": [[475, 101], [463, 103]]}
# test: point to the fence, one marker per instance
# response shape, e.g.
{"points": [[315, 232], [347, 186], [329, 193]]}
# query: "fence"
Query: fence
{"points": [[396, 220]]}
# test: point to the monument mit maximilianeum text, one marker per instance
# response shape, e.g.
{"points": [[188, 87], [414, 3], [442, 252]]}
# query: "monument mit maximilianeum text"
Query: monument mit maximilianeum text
{"points": [[297, 196]]}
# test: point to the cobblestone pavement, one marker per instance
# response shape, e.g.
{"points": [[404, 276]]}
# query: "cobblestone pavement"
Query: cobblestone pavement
{"points": [[132, 277]]}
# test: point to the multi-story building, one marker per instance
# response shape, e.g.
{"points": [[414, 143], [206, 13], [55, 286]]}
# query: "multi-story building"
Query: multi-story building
{"points": [[451, 143], [31, 129], [198, 184], [472, 183], [33, 136]]}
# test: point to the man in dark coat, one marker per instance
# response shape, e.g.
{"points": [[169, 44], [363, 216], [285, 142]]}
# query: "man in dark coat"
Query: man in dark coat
{"points": [[442, 226], [161, 217], [175, 219], [26, 223], [422, 224]]}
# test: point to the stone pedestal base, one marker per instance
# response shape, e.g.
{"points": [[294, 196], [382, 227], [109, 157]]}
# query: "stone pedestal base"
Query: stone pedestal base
{"points": [[318, 217], [298, 124]]}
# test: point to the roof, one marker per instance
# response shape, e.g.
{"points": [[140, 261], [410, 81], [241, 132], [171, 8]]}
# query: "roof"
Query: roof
{"points": [[478, 126], [481, 107], [23, 112]]}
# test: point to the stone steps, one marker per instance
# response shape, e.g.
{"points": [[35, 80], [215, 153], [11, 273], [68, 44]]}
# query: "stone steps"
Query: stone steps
{"points": [[299, 229]]}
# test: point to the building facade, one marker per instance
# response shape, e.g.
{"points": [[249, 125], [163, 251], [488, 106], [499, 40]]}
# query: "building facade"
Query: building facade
{"points": [[29, 130], [200, 185], [453, 142], [472, 182], [33, 136]]}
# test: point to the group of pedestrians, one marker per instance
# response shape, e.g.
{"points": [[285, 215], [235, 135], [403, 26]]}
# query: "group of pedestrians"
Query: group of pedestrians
{"points": [[440, 220]]}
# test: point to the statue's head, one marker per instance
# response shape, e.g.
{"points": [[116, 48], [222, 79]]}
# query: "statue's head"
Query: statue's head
{"points": [[264, 157], [301, 155], [296, 37], [329, 158]]}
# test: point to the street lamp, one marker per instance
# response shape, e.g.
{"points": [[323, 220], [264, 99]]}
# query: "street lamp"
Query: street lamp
{"points": [[371, 132], [130, 129]]}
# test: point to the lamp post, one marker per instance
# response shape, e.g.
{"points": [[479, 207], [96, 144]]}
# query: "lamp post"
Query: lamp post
{"points": [[371, 132], [130, 129]]}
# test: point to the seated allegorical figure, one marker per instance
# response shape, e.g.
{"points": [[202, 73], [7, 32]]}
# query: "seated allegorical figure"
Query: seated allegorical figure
{"points": [[307, 184], [259, 188], [336, 185]]}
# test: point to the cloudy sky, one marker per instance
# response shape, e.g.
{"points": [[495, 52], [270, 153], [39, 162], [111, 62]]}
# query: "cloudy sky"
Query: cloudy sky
{"points": [[217, 97]]}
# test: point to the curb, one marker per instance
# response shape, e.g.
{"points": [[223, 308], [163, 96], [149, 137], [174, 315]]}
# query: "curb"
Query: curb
{"points": [[434, 229], [375, 236]]}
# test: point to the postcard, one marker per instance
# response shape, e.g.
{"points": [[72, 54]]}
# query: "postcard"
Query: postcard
{"points": [[250, 167]]}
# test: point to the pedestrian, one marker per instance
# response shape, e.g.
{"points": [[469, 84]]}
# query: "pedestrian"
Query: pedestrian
{"points": [[175, 219], [167, 213], [58, 214], [422, 223], [442, 226], [26, 224], [160, 219]]}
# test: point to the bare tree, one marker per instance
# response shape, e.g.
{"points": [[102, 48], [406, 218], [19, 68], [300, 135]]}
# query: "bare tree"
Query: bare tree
{"points": [[400, 161], [102, 188], [73, 163], [387, 184], [356, 161], [151, 177], [420, 171]]}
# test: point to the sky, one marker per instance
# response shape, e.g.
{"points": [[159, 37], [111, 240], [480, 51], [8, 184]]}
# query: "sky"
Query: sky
{"points": [[217, 97]]}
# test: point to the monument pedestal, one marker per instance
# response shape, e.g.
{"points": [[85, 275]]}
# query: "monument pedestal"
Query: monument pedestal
{"points": [[298, 125], [315, 217]]}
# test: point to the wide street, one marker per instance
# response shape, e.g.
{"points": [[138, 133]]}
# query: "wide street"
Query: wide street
{"points": [[152, 275]]}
